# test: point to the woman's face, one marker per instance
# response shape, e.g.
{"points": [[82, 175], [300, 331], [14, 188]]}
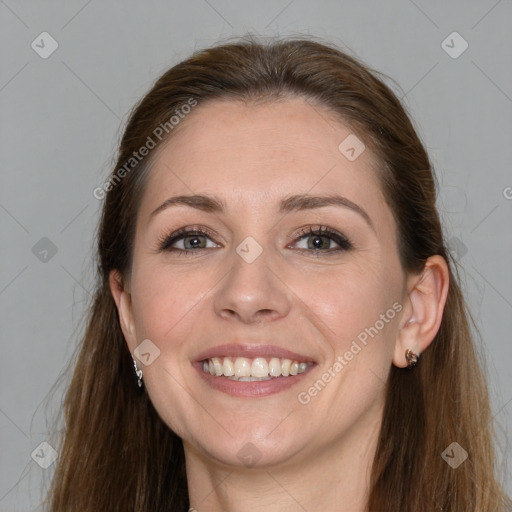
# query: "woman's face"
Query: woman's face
{"points": [[261, 274]]}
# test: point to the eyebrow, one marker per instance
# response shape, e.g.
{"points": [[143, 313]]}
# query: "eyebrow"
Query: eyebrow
{"points": [[213, 204]]}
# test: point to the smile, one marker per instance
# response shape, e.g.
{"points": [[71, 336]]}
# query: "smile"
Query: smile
{"points": [[253, 369]]}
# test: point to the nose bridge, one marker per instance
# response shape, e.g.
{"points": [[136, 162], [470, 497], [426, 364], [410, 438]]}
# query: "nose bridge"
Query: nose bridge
{"points": [[250, 290]]}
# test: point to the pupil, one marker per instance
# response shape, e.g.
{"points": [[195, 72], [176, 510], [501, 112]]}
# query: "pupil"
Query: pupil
{"points": [[317, 242], [194, 241]]}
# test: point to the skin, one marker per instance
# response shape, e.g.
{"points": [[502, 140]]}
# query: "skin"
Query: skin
{"points": [[316, 455]]}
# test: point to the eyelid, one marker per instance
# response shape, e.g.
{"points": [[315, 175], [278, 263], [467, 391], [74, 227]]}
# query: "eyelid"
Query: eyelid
{"points": [[165, 242], [342, 240], [344, 243]]}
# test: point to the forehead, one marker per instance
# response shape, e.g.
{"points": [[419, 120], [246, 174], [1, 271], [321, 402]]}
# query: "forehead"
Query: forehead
{"points": [[260, 152]]}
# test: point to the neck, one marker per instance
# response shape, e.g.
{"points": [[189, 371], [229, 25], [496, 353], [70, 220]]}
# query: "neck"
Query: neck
{"points": [[335, 479]]}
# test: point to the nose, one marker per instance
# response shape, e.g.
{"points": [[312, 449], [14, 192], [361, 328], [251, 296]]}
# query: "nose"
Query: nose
{"points": [[252, 292]]}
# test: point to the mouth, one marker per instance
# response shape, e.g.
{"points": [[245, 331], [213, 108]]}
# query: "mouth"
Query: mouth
{"points": [[251, 370]]}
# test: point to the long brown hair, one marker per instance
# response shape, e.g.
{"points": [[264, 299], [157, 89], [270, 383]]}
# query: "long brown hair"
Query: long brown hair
{"points": [[116, 454]]}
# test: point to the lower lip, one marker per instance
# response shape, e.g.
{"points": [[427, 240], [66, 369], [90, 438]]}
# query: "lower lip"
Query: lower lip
{"points": [[258, 388]]}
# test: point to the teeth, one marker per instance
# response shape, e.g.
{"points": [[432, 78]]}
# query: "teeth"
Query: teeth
{"points": [[217, 366], [275, 367], [249, 370], [242, 367], [259, 368], [250, 379], [228, 368]]}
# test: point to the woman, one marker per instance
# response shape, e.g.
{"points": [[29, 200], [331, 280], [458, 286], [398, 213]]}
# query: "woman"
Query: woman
{"points": [[277, 323]]}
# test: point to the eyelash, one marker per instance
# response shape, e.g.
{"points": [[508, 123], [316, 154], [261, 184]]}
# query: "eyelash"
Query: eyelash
{"points": [[165, 242]]}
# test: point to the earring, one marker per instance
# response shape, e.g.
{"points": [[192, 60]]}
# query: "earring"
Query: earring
{"points": [[412, 358], [138, 373]]}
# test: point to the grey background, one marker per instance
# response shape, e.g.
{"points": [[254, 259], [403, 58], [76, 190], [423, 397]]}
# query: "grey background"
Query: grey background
{"points": [[62, 116]]}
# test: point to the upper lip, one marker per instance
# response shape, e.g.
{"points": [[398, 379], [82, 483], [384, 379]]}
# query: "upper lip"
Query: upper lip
{"points": [[251, 351]]}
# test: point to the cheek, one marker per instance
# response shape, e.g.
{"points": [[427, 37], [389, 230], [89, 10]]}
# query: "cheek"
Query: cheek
{"points": [[348, 299], [342, 300], [359, 308], [165, 306], [163, 297]]}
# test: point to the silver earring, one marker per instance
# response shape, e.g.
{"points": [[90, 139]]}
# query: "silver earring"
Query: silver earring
{"points": [[138, 372], [412, 358]]}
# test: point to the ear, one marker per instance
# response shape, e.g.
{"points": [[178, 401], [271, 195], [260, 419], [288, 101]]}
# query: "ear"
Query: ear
{"points": [[426, 299], [123, 300]]}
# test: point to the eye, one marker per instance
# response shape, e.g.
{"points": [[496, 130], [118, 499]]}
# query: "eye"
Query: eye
{"points": [[187, 240], [312, 240], [322, 239]]}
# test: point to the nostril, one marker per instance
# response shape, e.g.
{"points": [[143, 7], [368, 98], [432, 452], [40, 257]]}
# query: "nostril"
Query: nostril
{"points": [[265, 313]]}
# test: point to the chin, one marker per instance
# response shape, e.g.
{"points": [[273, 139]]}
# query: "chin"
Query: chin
{"points": [[240, 451]]}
